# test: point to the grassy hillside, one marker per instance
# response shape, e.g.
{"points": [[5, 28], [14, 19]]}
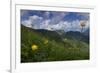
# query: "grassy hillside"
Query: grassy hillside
{"points": [[42, 45], [77, 35]]}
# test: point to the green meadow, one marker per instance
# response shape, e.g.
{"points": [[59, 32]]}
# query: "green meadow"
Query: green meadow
{"points": [[43, 45]]}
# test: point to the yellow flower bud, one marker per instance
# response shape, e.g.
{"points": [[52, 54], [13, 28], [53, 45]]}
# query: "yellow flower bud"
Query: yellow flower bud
{"points": [[34, 47], [46, 42]]}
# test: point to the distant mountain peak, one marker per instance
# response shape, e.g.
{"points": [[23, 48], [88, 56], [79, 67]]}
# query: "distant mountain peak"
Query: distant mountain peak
{"points": [[60, 32]]}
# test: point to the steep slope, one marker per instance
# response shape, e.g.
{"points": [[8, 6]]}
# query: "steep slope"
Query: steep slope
{"points": [[50, 46]]}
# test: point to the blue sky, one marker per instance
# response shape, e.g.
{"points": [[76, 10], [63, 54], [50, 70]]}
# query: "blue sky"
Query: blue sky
{"points": [[54, 20]]}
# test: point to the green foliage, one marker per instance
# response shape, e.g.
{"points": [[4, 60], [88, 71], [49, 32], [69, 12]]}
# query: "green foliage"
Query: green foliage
{"points": [[56, 49]]}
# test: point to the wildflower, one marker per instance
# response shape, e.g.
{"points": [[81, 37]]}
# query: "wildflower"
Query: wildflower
{"points": [[46, 41], [82, 24], [34, 47]]}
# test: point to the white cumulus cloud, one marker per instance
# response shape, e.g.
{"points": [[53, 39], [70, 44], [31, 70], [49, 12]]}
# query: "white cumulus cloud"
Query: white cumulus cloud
{"points": [[33, 21], [55, 23]]}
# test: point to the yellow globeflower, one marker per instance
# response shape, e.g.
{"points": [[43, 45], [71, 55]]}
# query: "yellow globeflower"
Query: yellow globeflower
{"points": [[46, 42], [34, 47]]}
